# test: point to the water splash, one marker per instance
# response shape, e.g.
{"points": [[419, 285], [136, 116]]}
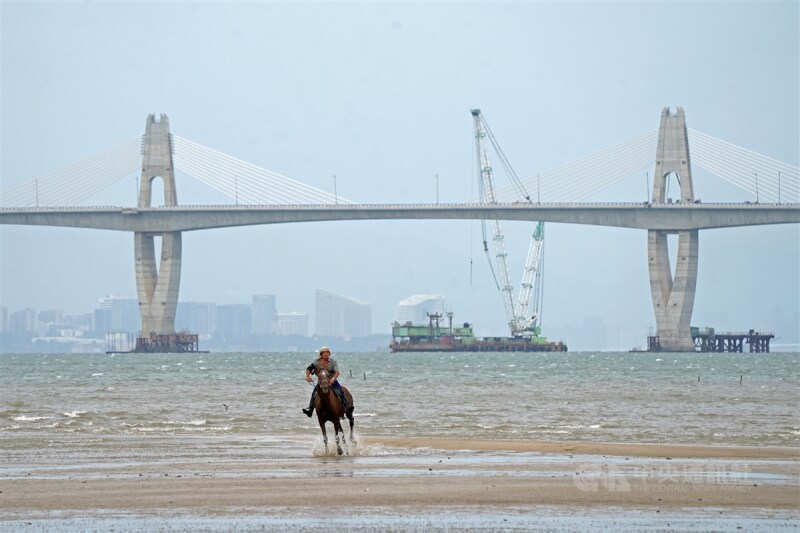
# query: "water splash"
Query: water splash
{"points": [[349, 448], [361, 447]]}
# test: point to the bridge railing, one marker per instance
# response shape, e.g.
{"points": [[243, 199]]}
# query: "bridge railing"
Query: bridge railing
{"points": [[514, 205]]}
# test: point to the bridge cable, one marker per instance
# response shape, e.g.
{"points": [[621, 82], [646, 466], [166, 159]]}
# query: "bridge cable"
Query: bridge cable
{"points": [[251, 184], [765, 178], [232, 179], [75, 183], [87, 178], [236, 182], [63, 184], [593, 173], [589, 175]]}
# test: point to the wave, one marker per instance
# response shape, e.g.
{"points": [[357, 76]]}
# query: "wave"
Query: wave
{"points": [[198, 422], [26, 418], [176, 429], [168, 423]]}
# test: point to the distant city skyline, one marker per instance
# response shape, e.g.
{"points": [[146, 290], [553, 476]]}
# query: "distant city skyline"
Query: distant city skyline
{"points": [[115, 321], [263, 309], [591, 333]]}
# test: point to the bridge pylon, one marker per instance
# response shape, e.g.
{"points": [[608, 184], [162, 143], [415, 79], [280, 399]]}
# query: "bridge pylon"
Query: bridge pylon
{"points": [[673, 296], [157, 287]]}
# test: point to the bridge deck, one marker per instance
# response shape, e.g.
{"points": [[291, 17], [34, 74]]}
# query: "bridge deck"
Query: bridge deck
{"points": [[666, 217]]}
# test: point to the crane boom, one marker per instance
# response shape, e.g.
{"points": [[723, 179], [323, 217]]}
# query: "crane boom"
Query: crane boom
{"points": [[531, 276], [488, 196], [520, 322]]}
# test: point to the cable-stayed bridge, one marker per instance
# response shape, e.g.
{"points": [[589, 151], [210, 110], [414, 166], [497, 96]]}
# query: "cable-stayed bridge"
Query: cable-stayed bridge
{"points": [[264, 197]]}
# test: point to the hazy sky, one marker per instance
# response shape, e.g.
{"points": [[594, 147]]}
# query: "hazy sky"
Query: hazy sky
{"points": [[379, 95]]}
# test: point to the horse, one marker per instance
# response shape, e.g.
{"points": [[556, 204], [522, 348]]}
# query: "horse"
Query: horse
{"points": [[330, 409]]}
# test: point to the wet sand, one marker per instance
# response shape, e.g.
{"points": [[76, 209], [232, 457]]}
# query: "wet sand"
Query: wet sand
{"points": [[427, 486], [416, 478], [598, 448]]}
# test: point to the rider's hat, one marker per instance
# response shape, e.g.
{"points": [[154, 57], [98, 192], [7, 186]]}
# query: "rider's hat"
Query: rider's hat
{"points": [[324, 349]]}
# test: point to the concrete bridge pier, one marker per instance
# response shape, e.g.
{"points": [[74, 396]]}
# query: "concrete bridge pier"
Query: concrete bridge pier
{"points": [[673, 297], [157, 286]]}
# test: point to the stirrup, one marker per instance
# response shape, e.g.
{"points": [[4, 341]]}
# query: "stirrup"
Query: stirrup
{"points": [[308, 412]]}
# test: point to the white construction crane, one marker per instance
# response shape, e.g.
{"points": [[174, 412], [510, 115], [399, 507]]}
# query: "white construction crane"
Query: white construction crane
{"points": [[523, 319]]}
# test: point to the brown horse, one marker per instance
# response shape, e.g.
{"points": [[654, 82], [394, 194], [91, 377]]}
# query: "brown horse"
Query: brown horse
{"points": [[330, 409]]}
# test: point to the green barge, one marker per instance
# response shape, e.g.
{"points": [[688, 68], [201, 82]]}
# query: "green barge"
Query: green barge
{"points": [[434, 337]]}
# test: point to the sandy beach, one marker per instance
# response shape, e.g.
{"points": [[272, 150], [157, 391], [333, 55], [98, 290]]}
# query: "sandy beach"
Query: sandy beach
{"points": [[419, 477]]}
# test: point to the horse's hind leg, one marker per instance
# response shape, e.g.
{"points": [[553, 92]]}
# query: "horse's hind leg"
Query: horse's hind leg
{"points": [[350, 418], [349, 412]]}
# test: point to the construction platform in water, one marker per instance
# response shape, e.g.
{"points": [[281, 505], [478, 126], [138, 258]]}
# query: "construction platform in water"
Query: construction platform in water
{"points": [[182, 342], [435, 338], [708, 340], [169, 343]]}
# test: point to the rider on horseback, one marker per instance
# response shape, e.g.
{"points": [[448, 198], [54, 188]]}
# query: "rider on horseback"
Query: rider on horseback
{"points": [[329, 363]]}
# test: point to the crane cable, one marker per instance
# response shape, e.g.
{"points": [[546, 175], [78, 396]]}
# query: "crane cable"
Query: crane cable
{"points": [[517, 183]]}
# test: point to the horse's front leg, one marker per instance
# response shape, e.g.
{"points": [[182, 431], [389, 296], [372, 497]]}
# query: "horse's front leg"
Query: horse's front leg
{"points": [[337, 427], [324, 434]]}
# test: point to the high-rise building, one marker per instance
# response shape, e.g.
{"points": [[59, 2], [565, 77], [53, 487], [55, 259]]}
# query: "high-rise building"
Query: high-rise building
{"points": [[51, 316], [263, 314], [415, 308], [81, 323], [195, 317], [357, 319], [3, 318], [125, 316], [49, 322], [340, 316], [233, 321], [23, 321], [118, 315], [102, 320], [293, 323]]}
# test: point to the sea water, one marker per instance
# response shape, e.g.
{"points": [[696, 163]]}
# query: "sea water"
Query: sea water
{"points": [[689, 398]]}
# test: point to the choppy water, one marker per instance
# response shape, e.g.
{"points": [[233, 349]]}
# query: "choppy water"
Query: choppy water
{"points": [[731, 399]]}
